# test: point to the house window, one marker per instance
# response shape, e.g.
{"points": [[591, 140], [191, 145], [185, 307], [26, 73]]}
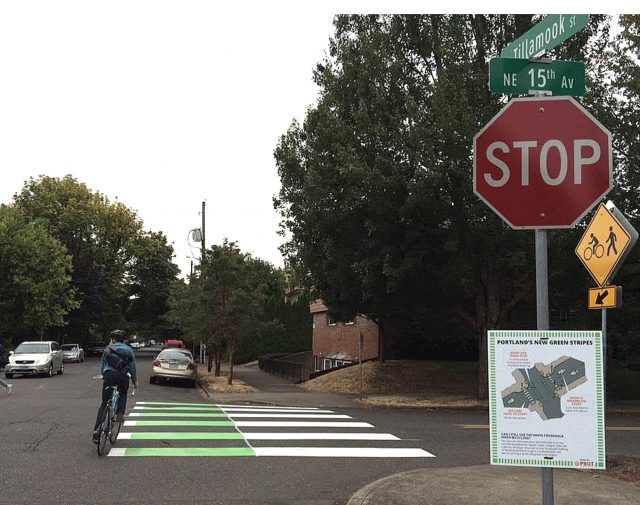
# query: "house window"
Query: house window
{"points": [[332, 320], [350, 321], [326, 364]]}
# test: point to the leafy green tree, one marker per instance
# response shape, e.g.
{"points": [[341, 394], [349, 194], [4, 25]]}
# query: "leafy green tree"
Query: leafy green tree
{"points": [[36, 292], [119, 271], [377, 182], [224, 302], [151, 273]]}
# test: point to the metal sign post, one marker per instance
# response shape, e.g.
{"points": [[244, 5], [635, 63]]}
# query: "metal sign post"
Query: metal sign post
{"points": [[542, 319]]}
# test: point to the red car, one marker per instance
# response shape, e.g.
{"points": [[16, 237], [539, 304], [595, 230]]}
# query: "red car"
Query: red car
{"points": [[173, 343]]}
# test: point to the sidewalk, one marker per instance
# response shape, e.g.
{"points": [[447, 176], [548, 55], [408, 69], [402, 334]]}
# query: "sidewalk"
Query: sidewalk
{"points": [[274, 390], [487, 484]]}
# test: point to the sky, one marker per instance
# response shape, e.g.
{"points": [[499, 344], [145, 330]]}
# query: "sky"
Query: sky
{"points": [[162, 104]]}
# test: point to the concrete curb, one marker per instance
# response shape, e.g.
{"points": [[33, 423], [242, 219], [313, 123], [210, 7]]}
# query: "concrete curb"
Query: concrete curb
{"points": [[204, 389], [482, 484]]}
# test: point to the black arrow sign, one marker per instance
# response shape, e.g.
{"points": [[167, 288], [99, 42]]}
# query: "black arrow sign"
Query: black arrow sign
{"points": [[601, 296]]}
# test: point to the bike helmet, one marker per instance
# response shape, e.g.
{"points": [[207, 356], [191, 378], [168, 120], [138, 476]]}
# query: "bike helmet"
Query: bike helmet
{"points": [[118, 335]]}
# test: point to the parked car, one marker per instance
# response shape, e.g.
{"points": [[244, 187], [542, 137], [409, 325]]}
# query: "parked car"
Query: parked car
{"points": [[171, 343], [95, 349], [72, 352], [33, 358], [135, 345], [172, 364]]}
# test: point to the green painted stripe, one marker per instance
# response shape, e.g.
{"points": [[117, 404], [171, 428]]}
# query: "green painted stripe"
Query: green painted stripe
{"points": [[161, 435], [189, 451], [184, 423], [213, 409], [175, 414], [177, 403]]}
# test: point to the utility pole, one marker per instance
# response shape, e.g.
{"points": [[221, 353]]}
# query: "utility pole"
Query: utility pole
{"points": [[204, 248]]}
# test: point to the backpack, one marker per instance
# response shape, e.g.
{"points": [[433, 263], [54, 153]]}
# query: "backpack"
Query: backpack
{"points": [[116, 360]]}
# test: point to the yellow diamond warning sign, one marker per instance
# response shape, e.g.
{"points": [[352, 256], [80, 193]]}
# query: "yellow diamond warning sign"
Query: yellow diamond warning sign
{"points": [[603, 245]]}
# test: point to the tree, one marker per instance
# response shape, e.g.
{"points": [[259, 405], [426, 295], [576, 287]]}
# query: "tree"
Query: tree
{"points": [[151, 273], [119, 271], [224, 303], [36, 292], [377, 182]]}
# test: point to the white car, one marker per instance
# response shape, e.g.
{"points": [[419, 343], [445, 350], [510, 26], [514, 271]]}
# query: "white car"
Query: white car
{"points": [[34, 358], [72, 352]]}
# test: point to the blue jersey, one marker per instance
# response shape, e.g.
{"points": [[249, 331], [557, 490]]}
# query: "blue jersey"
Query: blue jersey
{"points": [[122, 349]]}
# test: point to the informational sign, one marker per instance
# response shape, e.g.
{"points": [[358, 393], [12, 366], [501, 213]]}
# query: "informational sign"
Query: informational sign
{"points": [[546, 398], [510, 75], [604, 243], [542, 162], [606, 297], [547, 34]]}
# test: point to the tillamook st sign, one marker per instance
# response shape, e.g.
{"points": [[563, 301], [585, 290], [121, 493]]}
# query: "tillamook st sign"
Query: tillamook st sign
{"points": [[547, 34]]}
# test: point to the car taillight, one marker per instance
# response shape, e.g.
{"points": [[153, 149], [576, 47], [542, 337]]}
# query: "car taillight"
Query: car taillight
{"points": [[190, 366], [156, 362]]}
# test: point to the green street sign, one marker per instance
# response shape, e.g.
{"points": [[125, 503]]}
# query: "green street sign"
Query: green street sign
{"points": [[509, 75], [547, 34]]}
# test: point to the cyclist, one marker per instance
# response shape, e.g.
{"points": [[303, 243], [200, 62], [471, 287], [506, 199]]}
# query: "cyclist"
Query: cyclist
{"points": [[118, 359]]}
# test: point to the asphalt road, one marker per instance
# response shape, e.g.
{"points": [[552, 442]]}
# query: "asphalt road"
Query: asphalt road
{"points": [[46, 454]]}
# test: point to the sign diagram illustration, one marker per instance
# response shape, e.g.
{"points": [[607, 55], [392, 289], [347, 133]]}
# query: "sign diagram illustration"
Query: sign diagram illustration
{"points": [[540, 387]]}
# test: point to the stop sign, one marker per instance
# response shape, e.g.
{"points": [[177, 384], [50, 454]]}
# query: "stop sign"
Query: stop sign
{"points": [[542, 162]]}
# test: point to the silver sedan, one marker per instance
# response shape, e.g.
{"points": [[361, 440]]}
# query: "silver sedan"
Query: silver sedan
{"points": [[174, 364], [33, 358], [72, 352]]}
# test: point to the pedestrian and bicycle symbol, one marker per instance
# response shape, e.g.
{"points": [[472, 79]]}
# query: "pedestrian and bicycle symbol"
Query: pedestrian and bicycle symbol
{"points": [[603, 246], [597, 249]]}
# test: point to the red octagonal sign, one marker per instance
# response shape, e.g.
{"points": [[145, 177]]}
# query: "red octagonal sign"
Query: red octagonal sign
{"points": [[542, 162]]}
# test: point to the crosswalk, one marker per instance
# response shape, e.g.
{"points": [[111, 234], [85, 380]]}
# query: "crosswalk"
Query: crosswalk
{"points": [[174, 429]]}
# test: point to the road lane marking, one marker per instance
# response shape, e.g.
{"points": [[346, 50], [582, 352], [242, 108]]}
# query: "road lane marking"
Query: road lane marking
{"points": [[180, 435], [290, 416], [181, 451], [179, 423], [229, 410], [342, 452], [253, 424], [173, 408], [227, 405], [234, 435], [314, 452], [177, 403], [243, 415], [319, 436], [284, 411], [302, 424], [178, 414]]}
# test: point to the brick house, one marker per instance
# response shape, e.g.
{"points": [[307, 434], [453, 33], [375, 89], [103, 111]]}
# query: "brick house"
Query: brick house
{"points": [[335, 343]]}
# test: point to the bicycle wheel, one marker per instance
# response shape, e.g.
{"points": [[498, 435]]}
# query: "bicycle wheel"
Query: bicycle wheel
{"points": [[587, 253], [599, 251], [115, 429], [105, 426]]}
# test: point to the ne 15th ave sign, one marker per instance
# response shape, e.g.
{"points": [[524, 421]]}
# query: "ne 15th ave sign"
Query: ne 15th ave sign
{"points": [[509, 75], [547, 34]]}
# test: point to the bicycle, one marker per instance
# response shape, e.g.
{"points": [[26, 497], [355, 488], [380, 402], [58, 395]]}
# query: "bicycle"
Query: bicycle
{"points": [[589, 252], [109, 426]]}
